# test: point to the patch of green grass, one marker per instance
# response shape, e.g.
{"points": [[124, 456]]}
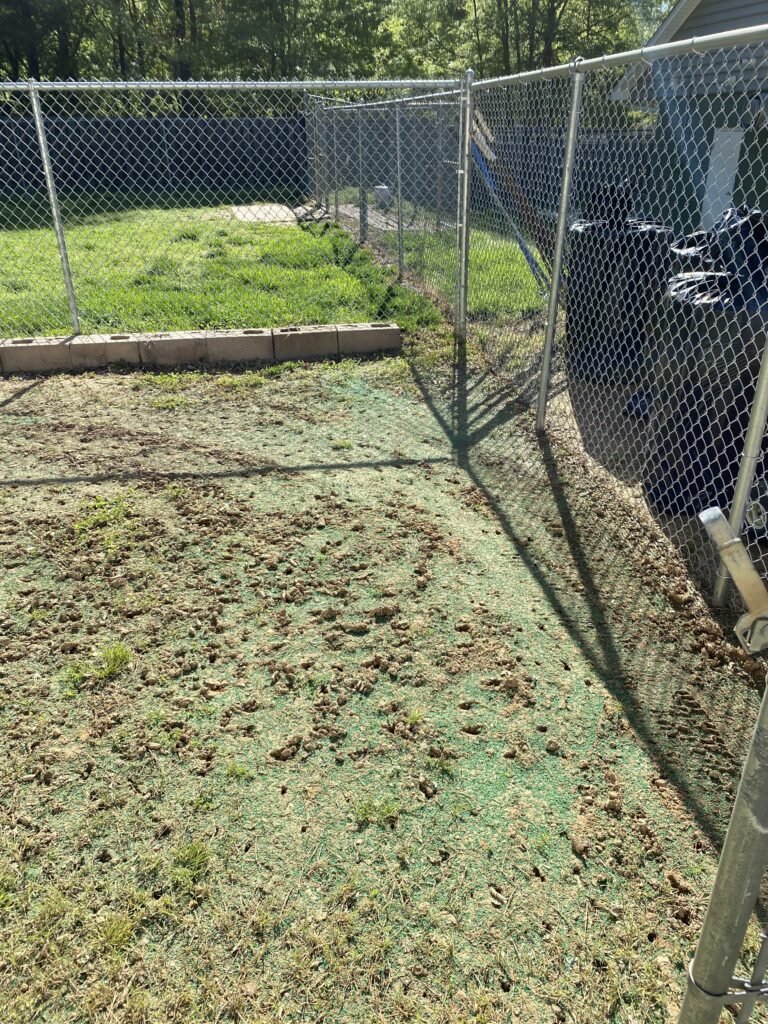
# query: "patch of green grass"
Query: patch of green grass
{"points": [[106, 522], [115, 929], [189, 867], [113, 661], [108, 664], [199, 269], [170, 402], [384, 813]]}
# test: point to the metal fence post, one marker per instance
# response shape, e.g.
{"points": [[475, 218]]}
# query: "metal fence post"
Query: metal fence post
{"points": [[53, 199], [325, 156], [335, 123], [363, 191], [399, 175], [753, 442], [744, 859], [462, 219], [735, 891], [440, 168], [577, 89]]}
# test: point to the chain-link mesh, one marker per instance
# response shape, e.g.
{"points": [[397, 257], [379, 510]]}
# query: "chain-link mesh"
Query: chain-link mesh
{"points": [[664, 290], [386, 170], [180, 206]]}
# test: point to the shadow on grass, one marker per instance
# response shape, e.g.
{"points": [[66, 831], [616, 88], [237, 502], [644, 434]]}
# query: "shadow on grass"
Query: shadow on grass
{"points": [[601, 573]]}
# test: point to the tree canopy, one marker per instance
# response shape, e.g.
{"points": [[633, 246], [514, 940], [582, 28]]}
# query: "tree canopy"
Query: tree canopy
{"points": [[184, 39]]}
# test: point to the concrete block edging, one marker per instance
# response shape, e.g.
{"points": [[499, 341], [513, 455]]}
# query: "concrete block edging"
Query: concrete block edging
{"points": [[179, 348]]}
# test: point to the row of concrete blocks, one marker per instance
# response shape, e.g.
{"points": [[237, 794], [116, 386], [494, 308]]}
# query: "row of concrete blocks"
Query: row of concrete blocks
{"points": [[91, 351]]}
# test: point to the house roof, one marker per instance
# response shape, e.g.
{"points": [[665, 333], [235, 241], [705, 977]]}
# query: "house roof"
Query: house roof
{"points": [[673, 22], [665, 33]]}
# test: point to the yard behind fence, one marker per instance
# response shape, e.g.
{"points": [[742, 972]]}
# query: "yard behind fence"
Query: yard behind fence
{"points": [[571, 219]]}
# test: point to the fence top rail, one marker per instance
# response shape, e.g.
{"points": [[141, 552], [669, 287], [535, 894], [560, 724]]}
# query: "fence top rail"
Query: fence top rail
{"points": [[280, 86], [646, 54], [409, 100]]}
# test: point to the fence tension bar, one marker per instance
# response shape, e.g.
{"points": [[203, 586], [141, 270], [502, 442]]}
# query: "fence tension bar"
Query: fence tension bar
{"points": [[577, 89], [53, 199], [462, 220]]}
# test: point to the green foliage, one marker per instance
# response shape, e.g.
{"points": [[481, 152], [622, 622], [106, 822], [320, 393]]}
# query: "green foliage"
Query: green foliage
{"points": [[270, 39], [110, 663]]}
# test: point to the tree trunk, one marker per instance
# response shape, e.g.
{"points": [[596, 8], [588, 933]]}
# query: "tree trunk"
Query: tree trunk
{"points": [[30, 39], [120, 48], [181, 69], [533, 15], [480, 61], [502, 7]]}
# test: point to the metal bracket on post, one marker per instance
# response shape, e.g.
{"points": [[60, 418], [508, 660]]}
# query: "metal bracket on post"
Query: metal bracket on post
{"points": [[363, 191], [462, 220], [399, 176], [53, 199], [753, 444], [752, 627], [744, 859], [577, 89]]}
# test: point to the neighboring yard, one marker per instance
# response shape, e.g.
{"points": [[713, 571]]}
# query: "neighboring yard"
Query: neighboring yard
{"points": [[193, 268], [189, 269], [328, 696]]}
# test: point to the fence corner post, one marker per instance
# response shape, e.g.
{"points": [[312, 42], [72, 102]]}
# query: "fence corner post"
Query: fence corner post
{"points": [[53, 200], [463, 214], [577, 88]]}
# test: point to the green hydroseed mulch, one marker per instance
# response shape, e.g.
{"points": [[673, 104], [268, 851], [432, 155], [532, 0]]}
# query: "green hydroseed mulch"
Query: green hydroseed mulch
{"points": [[312, 711]]}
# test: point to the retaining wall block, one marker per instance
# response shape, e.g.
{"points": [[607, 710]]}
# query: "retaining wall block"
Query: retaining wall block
{"points": [[123, 348], [35, 355], [172, 349], [304, 343], [357, 339], [249, 346]]}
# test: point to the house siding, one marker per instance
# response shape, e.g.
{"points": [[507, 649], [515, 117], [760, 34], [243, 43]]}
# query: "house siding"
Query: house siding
{"points": [[712, 16]]}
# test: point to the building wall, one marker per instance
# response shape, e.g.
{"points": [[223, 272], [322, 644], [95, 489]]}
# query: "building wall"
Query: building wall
{"points": [[712, 16]]}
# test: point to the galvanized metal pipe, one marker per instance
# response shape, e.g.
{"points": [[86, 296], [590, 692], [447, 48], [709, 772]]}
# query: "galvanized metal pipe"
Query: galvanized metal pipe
{"points": [[577, 89], [462, 219], [753, 444], [334, 122], [53, 200], [414, 100], [362, 189], [166, 86], [737, 885], [399, 176]]}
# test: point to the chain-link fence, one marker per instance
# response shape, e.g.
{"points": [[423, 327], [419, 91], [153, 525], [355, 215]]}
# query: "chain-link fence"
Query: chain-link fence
{"points": [[160, 206], [386, 169], [660, 261], [609, 256]]}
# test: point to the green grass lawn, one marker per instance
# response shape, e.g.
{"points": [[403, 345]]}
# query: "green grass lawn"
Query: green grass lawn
{"points": [[501, 286], [187, 269]]}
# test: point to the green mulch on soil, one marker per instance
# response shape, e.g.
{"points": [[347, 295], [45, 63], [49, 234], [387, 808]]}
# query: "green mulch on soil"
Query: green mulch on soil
{"points": [[318, 707]]}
